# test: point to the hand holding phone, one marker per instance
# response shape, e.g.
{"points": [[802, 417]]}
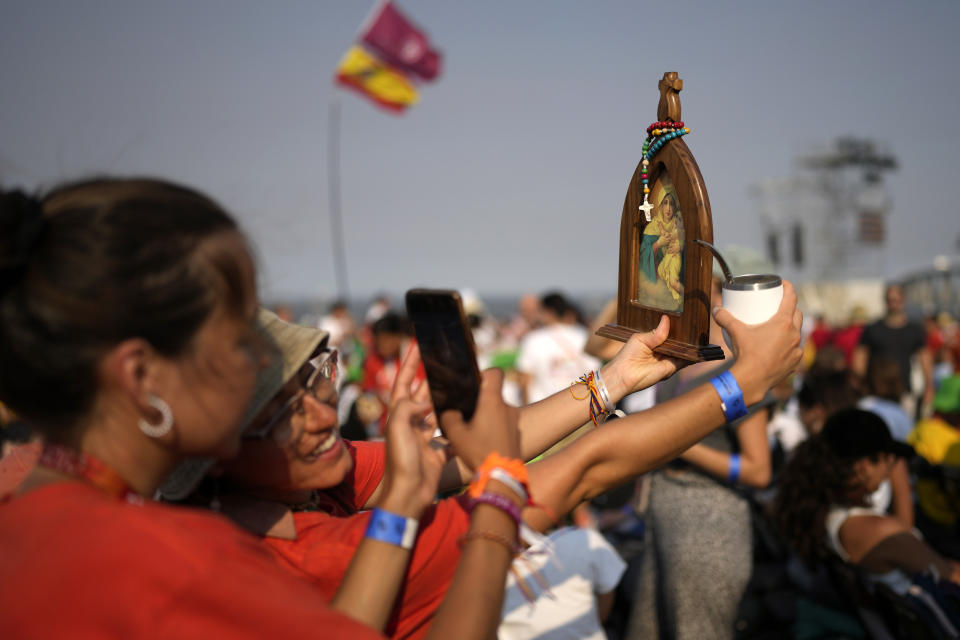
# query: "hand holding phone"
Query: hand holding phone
{"points": [[446, 348]]}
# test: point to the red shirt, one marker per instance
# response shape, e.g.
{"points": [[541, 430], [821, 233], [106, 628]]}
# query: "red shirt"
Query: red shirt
{"points": [[78, 564], [17, 465], [326, 543], [847, 339], [379, 376]]}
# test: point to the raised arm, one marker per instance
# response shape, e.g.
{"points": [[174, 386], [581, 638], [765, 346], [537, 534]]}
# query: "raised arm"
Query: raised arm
{"points": [[544, 423], [609, 456], [471, 608], [376, 572]]}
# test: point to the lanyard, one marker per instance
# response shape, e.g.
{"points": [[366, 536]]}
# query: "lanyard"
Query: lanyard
{"points": [[86, 467]]}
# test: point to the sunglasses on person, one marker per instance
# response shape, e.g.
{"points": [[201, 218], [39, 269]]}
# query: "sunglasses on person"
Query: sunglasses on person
{"points": [[317, 377]]}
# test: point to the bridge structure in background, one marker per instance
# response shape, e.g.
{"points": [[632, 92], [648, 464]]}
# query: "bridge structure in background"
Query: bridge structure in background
{"points": [[934, 290]]}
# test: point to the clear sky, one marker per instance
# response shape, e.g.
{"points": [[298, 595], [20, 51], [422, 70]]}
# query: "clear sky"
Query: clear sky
{"points": [[510, 174]]}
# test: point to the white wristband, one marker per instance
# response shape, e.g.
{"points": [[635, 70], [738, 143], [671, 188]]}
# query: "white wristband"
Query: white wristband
{"points": [[608, 404], [505, 478]]}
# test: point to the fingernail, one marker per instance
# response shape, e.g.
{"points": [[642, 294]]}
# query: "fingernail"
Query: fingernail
{"points": [[716, 310]]}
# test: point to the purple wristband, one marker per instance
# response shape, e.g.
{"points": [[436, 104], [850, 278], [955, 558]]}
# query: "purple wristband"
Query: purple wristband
{"points": [[500, 502]]}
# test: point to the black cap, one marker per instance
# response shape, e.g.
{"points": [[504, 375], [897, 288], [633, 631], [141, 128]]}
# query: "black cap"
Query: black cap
{"points": [[855, 434]]}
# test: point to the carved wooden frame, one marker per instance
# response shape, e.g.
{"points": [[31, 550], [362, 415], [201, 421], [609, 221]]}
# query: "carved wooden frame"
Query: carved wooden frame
{"points": [[690, 328]]}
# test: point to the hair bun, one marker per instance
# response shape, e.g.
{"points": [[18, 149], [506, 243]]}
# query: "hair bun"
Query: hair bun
{"points": [[21, 227]]}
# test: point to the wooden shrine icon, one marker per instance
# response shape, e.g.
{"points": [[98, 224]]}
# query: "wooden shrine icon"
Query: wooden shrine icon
{"points": [[663, 270]]}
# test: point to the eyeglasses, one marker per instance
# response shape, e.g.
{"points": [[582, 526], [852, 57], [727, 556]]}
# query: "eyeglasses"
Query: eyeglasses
{"points": [[317, 377]]}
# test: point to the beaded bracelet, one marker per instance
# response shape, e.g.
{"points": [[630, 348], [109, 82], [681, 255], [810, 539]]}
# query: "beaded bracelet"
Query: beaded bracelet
{"points": [[392, 529], [492, 536], [500, 502]]}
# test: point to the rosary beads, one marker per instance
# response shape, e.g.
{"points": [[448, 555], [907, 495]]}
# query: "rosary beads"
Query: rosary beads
{"points": [[658, 134]]}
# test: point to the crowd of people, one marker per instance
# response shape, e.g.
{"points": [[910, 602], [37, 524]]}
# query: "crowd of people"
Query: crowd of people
{"points": [[770, 470], [189, 477], [216, 469]]}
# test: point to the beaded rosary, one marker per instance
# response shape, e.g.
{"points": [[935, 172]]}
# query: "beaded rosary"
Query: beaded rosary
{"points": [[658, 134]]}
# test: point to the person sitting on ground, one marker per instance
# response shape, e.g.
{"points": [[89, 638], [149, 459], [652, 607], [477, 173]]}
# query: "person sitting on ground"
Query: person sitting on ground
{"points": [[303, 488], [823, 508], [826, 393]]}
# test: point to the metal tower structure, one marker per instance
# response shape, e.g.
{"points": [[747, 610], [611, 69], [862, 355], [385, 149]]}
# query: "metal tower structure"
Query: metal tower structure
{"points": [[828, 221]]}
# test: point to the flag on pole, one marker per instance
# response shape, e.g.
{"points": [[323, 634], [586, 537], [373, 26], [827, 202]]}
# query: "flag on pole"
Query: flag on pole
{"points": [[390, 34], [365, 74], [389, 56]]}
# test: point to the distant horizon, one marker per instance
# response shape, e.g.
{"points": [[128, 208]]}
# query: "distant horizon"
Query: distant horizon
{"points": [[510, 173]]}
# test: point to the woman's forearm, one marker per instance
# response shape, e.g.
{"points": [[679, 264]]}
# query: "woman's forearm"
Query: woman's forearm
{"points": [[370, 586], [607, 457], [376, 573], [547, 422], [717, 463], [754, 465], [472, 606]]}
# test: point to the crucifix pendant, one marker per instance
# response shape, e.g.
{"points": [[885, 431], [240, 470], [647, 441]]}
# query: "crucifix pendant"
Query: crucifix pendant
{"points": [[646, 207]]}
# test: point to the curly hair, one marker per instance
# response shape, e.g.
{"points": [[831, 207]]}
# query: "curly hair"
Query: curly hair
{"points": [[814, 480]]}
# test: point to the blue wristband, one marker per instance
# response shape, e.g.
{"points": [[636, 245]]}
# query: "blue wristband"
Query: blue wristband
{"points": [[392, 529], [733, 471], [731, 397]]}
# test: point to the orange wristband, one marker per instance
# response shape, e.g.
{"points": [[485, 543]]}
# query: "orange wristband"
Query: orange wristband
{"points": [[513, 467]]}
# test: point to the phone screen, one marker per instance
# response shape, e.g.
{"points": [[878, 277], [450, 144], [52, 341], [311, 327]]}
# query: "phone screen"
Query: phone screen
{"points": [[446, 348]]}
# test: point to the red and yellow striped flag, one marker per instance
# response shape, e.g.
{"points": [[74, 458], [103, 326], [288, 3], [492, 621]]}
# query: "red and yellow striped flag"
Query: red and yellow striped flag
{"points": [[369, 76]]}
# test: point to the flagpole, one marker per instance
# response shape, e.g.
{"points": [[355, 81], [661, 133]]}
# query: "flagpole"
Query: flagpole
{"points": [[333, 183]]}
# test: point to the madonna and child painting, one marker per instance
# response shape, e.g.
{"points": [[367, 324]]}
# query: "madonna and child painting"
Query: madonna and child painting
{"points": [[662, 252]]}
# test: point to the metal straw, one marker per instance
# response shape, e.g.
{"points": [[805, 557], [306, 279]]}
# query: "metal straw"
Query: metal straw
{"points": [[723, 263]]}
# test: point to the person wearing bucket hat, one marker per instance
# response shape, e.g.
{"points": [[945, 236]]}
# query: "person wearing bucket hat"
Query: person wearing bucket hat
{"points": [[134, 299], [822, 507], [291, 346], [304, 489], [125, 341]]}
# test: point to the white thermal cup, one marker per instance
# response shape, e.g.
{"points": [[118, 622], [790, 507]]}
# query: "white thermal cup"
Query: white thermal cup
{"points": [[753, 299]]}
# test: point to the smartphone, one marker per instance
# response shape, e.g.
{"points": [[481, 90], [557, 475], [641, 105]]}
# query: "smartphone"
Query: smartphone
{"points": [[446, 349]]}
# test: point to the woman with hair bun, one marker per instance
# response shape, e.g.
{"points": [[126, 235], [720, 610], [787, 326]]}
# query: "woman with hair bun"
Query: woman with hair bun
{"points": [[127, 341]]}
